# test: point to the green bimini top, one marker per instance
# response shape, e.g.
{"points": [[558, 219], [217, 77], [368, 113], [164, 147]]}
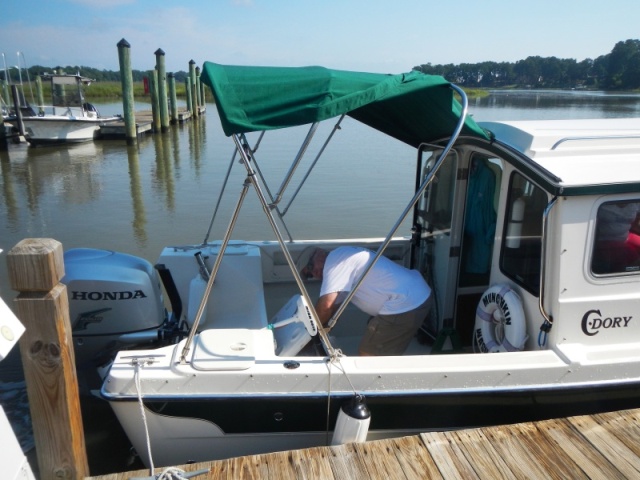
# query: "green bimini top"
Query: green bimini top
{"points": [[411, 107]]}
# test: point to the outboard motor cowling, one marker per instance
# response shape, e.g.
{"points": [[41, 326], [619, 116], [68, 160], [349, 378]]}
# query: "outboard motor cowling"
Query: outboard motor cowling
{"points": [[115, 302]]}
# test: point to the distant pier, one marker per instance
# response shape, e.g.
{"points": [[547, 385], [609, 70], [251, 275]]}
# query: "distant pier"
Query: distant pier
{"points": [[143, 123]]}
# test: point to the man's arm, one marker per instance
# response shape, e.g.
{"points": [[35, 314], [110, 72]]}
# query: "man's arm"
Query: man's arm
{"points": [[326, 307]]}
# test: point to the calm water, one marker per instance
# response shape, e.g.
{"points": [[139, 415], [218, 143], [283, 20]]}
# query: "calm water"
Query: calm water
{"points": [[163, 191]]}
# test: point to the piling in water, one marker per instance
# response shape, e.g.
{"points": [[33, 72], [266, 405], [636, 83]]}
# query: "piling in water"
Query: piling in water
{"points": [[187, 84], [192, 88], [126, 76], [39, 95], [155, 108], [173, 98], [162, 90]]}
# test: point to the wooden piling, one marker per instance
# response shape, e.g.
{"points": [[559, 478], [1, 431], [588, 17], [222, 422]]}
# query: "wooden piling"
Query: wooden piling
{"points": [[173, 98], [198, 89], [126, 78], [192, 88], [35, 269], [39, 95], [187, 85], [162, 90], [155, 108]]}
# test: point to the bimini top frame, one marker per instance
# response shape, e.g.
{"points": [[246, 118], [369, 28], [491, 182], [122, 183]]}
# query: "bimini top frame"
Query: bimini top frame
{"points": [[413, 108]]}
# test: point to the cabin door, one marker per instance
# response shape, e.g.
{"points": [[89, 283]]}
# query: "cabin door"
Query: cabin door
{"points": [[481, 179]]}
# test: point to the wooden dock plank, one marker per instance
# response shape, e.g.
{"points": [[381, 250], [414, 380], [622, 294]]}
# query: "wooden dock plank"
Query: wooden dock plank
{"points": [[346, 462], [380, 460], [608, 444], [605, 446], [448, 456], [592, 462], [410, 452], [508, 446], [479, 450], [313, 463], [625, 427], [553, 460]]}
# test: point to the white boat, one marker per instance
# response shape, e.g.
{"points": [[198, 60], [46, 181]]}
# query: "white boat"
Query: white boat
{"points": [[69, 118], [535, 310], [14, 463]]}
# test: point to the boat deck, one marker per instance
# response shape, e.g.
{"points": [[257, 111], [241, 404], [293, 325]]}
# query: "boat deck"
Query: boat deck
{"points": [[594, 446]]}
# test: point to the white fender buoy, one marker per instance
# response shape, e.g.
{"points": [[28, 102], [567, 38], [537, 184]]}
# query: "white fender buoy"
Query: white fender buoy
{"points": [[353, 421], [500, 323]]}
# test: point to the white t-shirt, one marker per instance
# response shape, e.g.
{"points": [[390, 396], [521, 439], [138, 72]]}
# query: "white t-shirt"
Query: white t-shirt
{"points": [[388, 288]]}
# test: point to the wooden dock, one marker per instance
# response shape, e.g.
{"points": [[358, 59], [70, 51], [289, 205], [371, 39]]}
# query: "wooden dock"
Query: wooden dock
{"points": [[595, 446], [144, 123]]}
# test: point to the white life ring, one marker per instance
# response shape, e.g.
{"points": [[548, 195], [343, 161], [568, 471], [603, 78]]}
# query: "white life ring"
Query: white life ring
{"points": [[500, 322]]}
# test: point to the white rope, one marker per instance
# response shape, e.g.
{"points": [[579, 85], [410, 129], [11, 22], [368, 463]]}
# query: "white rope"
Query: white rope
{"points": [[144, 416], [172, 473], [334, 359]]}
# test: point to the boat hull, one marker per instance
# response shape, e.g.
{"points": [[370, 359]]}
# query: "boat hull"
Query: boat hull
{"points": [[201, 429], [56, 130]]}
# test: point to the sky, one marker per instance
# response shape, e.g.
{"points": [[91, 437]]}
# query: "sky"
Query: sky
{"points": [[383, 36]]}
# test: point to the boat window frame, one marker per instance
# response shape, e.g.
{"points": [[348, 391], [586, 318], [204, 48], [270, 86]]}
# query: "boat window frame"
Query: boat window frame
{"points": [[621, 248], [532, 283]]}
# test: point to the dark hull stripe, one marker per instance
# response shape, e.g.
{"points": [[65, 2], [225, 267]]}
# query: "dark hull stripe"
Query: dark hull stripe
{"points": [[270, 414]]}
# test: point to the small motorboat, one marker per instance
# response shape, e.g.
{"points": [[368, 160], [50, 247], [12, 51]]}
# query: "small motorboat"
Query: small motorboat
{"points": [[526, 232], [69, 118]]}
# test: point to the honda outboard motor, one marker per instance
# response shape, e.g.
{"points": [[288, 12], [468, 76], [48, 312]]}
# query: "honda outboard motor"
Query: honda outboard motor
{"points": [[115, 302]]}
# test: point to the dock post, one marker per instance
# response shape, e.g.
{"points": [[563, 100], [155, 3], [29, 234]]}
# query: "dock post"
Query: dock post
{"points": [[35, 268], [173, 98], [126, 77], [187, 85], [192, 88], [39, 95], [162, 90], [198, 89], [155, 109]]}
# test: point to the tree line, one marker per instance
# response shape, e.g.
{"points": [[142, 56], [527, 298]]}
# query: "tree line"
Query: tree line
{"points": [[94, 73], [617, 70]]}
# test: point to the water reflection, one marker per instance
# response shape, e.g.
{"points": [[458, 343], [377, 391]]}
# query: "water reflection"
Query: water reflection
{"points": [[135, 181], [163, 174], [548, 104]]}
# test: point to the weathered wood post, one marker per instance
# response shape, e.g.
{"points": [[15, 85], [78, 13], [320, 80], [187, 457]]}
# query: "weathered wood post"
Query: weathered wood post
{"points": [[126, 78], [187, 86], [35, 269], [198, 89], [192, 87], [155, 108], [162, 90], [39, 95], [173, 98]]}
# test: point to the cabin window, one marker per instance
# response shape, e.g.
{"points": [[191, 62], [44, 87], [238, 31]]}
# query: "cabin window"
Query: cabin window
{"points": [[520, 256], [616, 248]]}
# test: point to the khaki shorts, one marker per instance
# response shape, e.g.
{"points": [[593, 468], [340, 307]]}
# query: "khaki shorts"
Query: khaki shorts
{"points": [[391, 334]]}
